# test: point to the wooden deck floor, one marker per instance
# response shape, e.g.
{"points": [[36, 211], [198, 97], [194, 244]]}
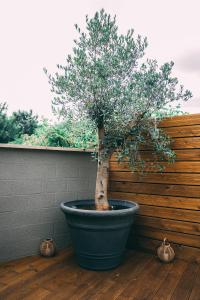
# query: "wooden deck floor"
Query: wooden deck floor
{"points": [[140, 277]]}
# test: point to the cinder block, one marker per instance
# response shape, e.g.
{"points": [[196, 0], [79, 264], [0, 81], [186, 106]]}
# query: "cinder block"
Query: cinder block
{"points": [[78, 184], [26, 171], [89, 167], [12, 203], [40, 216], [5, 187], [40, 156], [26, 232], [50, 170], [10, 251], [11, 155], [92, 183], [59, 185], [26, 202], [66, 170], [85, 195], [30, 186], [64, 197], [40, 201]]}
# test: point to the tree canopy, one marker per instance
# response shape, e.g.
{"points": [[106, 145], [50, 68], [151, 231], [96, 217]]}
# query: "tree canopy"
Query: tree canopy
{"points": [[108, 80]]}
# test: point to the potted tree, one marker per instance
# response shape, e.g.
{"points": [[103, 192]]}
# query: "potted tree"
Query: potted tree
{"points": [[104, 81]]}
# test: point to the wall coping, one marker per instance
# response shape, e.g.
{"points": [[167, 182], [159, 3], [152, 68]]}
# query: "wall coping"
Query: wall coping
{"points": [[28, 147]]}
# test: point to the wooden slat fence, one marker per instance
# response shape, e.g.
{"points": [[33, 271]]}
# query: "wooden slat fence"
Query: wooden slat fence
{"points": [[169, 201]]}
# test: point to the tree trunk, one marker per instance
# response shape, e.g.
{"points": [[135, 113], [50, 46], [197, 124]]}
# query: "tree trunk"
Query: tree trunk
{"points": [[101, 193]]}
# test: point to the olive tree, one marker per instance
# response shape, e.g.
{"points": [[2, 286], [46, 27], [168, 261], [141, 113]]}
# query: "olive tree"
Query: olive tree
{"points": [[107, 80]]}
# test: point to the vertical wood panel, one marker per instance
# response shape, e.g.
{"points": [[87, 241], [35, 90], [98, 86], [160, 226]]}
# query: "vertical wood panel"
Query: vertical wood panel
{"points": [[170, 202]]}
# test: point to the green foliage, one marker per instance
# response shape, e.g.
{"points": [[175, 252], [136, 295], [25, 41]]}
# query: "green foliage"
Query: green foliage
{"points": [[4, 124], [22, 127], [69, 133], [21, 122], [107, 80], [7, 127], [57, 136], [25, 121], [39, 138], [170, 111]]}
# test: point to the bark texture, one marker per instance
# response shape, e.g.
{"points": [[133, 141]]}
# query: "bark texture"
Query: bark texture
{"points": [[101, 193]]}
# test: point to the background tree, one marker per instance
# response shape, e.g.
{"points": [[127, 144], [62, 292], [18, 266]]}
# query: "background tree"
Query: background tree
{"points": [[104, 80], [25, 121], [7, 128], [19, 123], [68, 133]]}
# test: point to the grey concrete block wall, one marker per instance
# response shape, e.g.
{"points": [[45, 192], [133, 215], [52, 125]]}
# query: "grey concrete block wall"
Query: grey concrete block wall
{"points": [[33, 183]]}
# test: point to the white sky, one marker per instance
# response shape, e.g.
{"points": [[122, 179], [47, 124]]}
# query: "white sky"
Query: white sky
{"points": [[39, 33]]}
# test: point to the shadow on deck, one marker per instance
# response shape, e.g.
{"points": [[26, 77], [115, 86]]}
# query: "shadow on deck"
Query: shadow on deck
{"points": [[141, 276]]}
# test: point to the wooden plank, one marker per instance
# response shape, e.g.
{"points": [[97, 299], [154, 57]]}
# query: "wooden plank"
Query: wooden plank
{"points": [[195, 295], [191, 119], [183, 131], [141, 276], [157, 200], [186, 143], [88, 292], [91, 286], [66, 283], [43, 266], [166, 178], [182, 252], [109, 287], [165, 291], [170, 213], [101, 282], [185, 285], [155, 188], [177, 167], [38, 293], [56, 281], [65, 292], [177, 143], [167, 200], [124, 274], [176, 237], [168, 224], [22, 265], [181, 155], [6, 277], [15, 281], [145, 285], [63, 281], [187, 155]]}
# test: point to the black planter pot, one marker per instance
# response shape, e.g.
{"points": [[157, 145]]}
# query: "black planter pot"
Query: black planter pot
{"points": [[99, 237]]}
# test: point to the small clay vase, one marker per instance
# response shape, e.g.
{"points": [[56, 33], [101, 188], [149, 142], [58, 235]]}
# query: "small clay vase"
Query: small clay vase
{"points": [[166, 252], [47, 248]]}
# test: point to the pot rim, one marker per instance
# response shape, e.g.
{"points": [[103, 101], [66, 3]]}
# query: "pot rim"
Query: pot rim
{"points": [[132, 207]]}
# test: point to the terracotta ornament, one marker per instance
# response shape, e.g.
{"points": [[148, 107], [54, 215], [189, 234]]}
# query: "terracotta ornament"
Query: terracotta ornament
{"points": [[165, 252], [47, 248]]}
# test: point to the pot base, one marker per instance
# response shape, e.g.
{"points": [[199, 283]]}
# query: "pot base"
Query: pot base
{"points": [[99, 237], [99, 262]]}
